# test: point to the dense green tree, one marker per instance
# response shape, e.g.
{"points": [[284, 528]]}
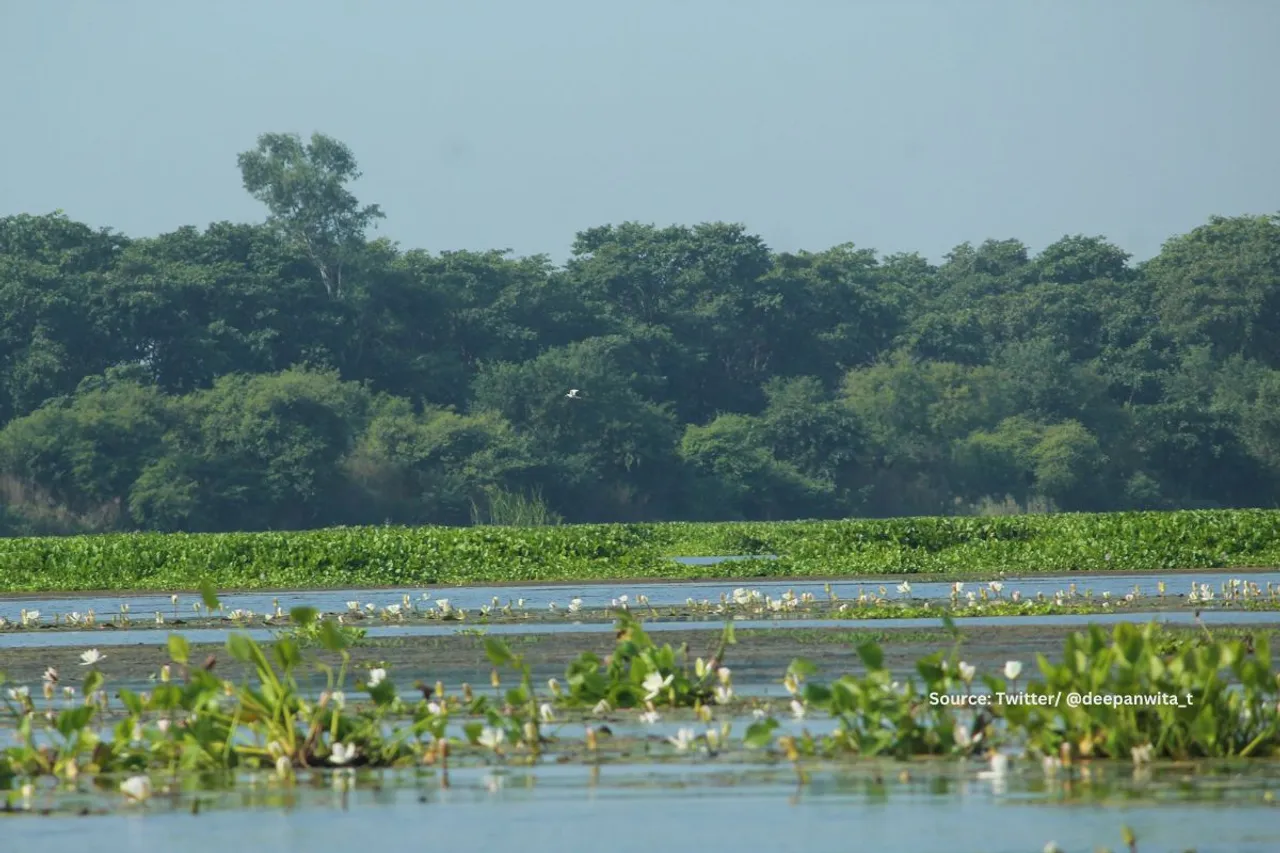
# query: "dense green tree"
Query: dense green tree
{"points": [[296, 373]]}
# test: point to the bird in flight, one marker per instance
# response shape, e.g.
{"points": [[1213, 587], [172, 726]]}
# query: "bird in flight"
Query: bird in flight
{"points": [[574, 394]]}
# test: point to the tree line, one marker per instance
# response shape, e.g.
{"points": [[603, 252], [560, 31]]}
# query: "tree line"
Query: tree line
{"points": [[302, 372]]}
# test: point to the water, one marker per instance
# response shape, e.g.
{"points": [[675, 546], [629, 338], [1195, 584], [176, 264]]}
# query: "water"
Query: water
{"points": [[103, 638], [597, 595], [689, 806]]}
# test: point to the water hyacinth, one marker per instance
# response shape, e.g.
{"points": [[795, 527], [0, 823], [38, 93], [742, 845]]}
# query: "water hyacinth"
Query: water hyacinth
{"points": [[270, 725]]}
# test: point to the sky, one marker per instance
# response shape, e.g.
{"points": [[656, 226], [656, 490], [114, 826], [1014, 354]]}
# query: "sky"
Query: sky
{"points": [[897, 125]]}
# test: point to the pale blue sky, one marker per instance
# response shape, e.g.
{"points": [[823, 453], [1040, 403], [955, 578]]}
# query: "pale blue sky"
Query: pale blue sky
{"points": [[899, 126]]}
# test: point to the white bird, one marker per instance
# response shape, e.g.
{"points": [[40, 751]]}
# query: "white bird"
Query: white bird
{"points": [[573, 394]]}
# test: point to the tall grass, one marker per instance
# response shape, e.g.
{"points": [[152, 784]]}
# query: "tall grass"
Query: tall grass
{"points": [[513, 509]]}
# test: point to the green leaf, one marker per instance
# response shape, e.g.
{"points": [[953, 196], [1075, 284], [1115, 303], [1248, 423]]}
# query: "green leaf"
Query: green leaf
{"points": [[760, 733], [208, 595], [817, 694], [240, 647], [179, 649], [303, 616], [498, 652], [472, 731], [92, 682], [331, 637], [872, 655], [802, 668], [73, 720], [131, 701], [287, 654], [383, 693]]}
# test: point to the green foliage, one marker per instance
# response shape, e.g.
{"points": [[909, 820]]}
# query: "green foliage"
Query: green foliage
{"points": [[641, 673], [514, 510], [295, 374], [304, 188], [438, 555], [1198, 716], [192, 721]]}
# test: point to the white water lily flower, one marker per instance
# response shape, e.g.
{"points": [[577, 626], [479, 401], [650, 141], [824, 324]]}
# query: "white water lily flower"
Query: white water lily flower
{"points": [[602, 707], [91, 657], [797, 709], [1012, 669], [723, 694], [284, 767], [546, 712], [19, 693], [163, 726], [759, 713], [1142, 754], [650, 717], [967, 672], [136, 788], [341, 753], [491, 737], [724, 674], [377, 676], [996, 586], [683, 739], [905, 587], [353, 605], [575, 604], [51, 675], [553, 686], [434, 709], [654, 684]]}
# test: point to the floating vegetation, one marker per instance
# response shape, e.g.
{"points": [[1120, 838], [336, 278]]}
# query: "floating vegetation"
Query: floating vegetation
{"points": [[892, 601], [1130, 541], [1227, 705]]}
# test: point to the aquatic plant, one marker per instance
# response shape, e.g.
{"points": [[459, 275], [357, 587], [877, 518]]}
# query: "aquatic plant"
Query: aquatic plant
{"points": [[642, 673], [194, 721], [1130, 541], [1145, 704]]}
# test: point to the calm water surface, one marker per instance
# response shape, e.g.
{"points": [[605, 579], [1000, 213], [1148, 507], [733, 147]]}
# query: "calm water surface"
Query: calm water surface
{"points": [[558, 809]]}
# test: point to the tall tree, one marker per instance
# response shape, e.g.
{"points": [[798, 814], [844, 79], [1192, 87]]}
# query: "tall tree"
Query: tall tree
{"points": [[304, 186]]}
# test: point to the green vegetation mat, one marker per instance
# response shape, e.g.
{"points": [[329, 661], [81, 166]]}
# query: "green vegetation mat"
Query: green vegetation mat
{"points": [[374, 556]]}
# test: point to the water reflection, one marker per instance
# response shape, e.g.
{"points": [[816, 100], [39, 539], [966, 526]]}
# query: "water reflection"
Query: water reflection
{"points": [[552, 809]]}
